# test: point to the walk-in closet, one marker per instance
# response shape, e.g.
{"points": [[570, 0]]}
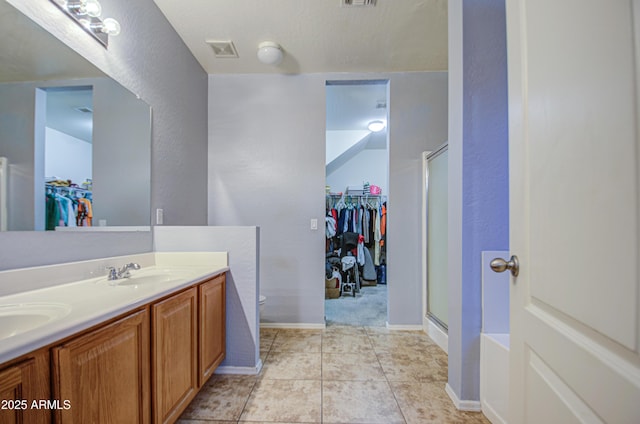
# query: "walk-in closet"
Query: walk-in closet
{"points": [[356, 203], [68, 157]]}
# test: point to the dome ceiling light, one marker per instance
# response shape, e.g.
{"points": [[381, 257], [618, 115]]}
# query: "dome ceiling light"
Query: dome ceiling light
{"points": [[376, 126], [270, 53]]}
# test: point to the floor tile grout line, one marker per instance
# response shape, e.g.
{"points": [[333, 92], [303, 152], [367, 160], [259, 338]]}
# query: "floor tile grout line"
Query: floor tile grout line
{"points": [[255, 382], [395, 398]]}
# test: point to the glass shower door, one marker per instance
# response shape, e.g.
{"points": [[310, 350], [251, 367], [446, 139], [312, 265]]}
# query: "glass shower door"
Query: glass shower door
{"points": [[437, 237]]}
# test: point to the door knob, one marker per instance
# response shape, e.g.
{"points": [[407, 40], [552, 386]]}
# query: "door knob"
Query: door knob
{"points": [[500, 265]]}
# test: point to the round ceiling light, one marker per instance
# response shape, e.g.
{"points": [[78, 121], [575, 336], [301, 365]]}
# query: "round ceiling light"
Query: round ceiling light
{"points": [[270, 53], [376, 126]]}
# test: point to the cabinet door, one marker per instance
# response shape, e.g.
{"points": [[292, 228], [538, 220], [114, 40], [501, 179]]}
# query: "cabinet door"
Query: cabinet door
{"points": [[212, 326], [175, 355], [104, 374], [23, 384]]}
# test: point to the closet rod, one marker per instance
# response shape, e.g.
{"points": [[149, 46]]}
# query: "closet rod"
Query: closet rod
{"points": [[374, 196]]}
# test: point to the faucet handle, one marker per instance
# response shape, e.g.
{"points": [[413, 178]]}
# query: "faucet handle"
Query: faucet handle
{"points": [[113, 273], [124, 271]]}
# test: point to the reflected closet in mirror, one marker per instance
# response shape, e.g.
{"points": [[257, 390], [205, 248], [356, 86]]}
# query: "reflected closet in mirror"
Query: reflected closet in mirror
{"points": [[68, 130]]}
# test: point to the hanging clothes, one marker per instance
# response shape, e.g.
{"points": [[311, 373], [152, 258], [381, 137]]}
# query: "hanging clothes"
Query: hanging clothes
{"points": [[366, 216], [331, 226], [360, 254], [84, 217], [63, 209], [383, 219], [376, 238], [52, 212]]}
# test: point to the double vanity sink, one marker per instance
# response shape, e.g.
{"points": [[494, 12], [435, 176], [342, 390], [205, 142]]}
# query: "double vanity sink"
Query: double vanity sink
{"points": [[35, 318], [21, 317], [67, 327]]}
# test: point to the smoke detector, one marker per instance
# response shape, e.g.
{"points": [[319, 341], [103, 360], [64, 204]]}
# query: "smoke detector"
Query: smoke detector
{"points": [[223, 49], [350, 3]]}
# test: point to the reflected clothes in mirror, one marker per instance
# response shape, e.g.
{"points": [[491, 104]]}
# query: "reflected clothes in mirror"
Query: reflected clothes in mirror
{"points": [[67, 208]]}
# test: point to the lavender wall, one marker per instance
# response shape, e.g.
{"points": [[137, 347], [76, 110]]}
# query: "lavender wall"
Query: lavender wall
{"points": [[242, 245], [485, 181], [266, 168], [151, 60]]}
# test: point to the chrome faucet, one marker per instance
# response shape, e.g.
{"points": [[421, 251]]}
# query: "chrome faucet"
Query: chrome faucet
{"points": [[116, 274]]}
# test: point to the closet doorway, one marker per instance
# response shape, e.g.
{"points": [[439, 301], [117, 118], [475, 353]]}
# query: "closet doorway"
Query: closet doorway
{"points": [[356, 176], [63, 164]]}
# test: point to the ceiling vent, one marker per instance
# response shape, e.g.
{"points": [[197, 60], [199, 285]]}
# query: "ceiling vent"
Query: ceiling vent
{"points": [[350, 3], [223, 49]]}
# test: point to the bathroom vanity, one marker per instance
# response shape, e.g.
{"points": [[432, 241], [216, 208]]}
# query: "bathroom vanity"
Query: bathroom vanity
{"points": [[133, 350]]}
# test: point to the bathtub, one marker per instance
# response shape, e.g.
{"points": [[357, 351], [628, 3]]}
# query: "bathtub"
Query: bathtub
{"points": [[494, 376]]}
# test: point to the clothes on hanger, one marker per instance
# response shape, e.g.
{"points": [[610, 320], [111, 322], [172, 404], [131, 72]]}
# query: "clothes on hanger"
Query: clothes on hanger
{"points": [[67, 207]]}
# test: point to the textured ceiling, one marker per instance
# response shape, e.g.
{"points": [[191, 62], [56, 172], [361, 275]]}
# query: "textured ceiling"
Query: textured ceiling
{"points": [[317, 36]]}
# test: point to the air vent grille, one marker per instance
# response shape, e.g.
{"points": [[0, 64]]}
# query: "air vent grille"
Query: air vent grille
{"points": [[223, 49], [351, 3]]}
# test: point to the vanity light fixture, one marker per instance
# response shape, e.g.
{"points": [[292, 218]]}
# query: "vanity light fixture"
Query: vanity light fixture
{"points": [[270, 53], [86, 13], [376, 126]]}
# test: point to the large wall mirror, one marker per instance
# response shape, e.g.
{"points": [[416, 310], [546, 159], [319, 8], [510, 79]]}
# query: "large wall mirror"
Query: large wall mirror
{"points": [[75, 146]]}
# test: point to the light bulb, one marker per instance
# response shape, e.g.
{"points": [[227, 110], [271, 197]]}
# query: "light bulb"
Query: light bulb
{"points": [[85, 22], [92, 8], [376, 126], [111, 26]]}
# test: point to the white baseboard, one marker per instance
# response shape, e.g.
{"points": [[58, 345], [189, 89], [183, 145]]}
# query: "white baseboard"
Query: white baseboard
{"points": [[463, 405], [437, 334], [290, 325], [227, 369], [404, 327], [491, 414]]}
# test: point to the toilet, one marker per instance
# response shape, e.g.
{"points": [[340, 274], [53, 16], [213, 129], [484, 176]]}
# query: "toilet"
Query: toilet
{"points": [[263, 300]]}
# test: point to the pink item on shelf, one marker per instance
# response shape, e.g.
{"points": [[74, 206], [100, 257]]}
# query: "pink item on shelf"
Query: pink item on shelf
{"points": [[374, 189]]}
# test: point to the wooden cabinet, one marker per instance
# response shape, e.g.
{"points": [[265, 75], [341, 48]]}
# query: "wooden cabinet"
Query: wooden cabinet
{"points": [[143, 367], [211, 296], [104, 374], [174, 354], [23, 387], [188, 331]]}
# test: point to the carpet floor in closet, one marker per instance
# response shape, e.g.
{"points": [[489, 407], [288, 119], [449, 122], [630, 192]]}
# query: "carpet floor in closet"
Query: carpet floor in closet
{"points": [[368, 308]]}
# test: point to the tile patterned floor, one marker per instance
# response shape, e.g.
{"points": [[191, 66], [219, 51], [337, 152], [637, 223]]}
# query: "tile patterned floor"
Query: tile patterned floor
{"points": [[340, 375]]}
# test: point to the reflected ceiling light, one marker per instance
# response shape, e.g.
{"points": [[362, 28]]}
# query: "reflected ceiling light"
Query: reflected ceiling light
{"points": [[376, 126], [110, 26], [93, 8], [270, 53], [86, 13]]}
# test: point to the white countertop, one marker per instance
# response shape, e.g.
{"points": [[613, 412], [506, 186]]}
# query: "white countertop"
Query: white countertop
{"points": [[91, 301]]}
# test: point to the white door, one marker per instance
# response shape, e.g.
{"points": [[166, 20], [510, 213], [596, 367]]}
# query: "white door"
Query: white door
{"points": [[574, 218]]}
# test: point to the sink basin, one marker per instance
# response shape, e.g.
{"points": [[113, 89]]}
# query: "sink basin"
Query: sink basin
{"points": [[21, 317], [151, 276]]}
